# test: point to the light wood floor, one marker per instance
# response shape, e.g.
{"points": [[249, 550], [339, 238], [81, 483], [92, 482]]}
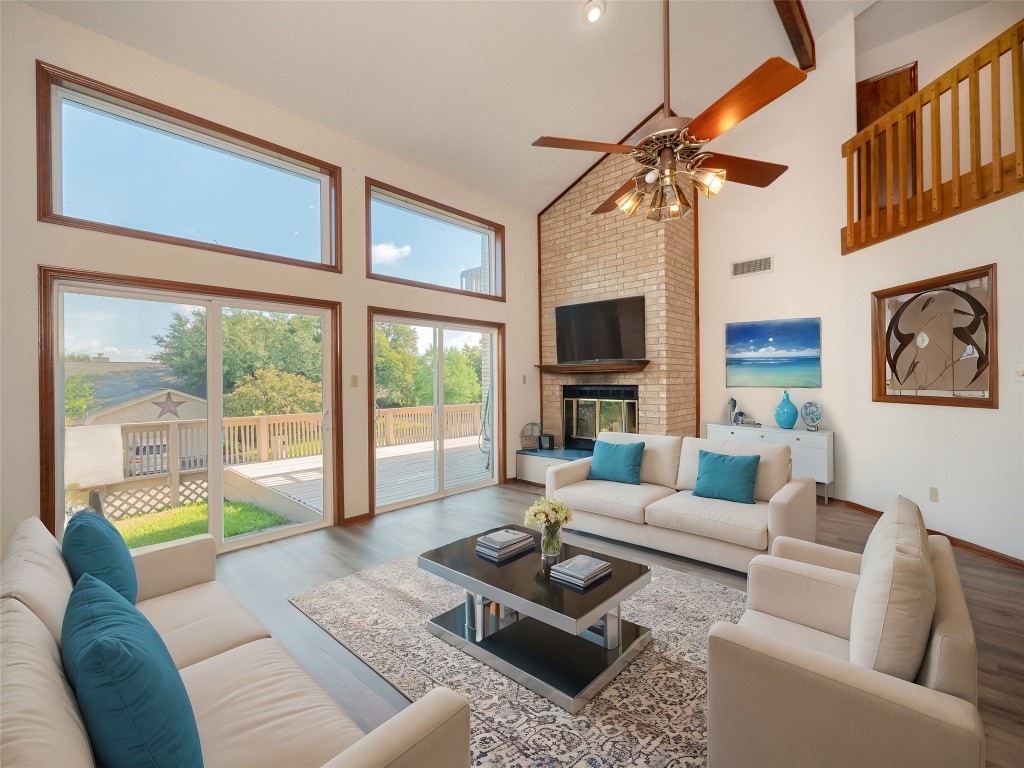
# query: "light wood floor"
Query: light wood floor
{"points": [[264, 577]]}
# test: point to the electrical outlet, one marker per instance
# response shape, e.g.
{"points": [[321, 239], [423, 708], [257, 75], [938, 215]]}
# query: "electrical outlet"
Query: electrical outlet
{"points": [[933, 494], [353, 381]]}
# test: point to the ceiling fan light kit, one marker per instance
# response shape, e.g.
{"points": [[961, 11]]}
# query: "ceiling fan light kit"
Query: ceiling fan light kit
{"points": [[672, 142], [708, 180]]}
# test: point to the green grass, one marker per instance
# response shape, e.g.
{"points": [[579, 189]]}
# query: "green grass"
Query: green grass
{"points": [[191, 519]]}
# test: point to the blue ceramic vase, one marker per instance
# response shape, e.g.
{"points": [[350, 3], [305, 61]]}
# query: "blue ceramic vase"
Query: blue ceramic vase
{"points": [[785, 412]]}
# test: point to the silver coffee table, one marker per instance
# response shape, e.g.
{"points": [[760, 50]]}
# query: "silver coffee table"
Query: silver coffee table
{"points": [[562, 643]]}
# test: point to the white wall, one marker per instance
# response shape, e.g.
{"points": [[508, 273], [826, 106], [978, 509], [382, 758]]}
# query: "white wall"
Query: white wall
{"points": [[29, 34], [974, 457]]}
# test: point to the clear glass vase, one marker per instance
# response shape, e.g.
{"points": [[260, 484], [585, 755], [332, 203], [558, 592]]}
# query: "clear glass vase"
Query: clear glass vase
{"points": [[551, 540]]}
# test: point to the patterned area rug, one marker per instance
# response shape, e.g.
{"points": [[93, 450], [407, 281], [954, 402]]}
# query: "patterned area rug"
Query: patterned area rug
{"points": [[652, 714]]}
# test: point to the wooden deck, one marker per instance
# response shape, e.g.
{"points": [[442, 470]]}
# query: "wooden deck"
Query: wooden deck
{"points": [[300, 479], [407, 471], [403, 472]]}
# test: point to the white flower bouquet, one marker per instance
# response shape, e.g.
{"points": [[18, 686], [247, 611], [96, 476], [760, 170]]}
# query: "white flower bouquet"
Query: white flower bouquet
{"points": [[548, 512], [549, 515]]}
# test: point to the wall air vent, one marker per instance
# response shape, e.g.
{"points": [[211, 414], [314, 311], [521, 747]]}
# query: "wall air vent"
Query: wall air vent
{"points": [[753, 266]]}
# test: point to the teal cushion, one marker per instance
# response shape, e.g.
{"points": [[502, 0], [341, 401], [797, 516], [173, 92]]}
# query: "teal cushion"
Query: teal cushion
{"points": [[130, 694], [618, 462], [93, 545], [730, 478]]}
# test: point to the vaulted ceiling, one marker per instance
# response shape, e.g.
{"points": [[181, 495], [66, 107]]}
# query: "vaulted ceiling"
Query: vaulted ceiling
{"points": [[462, 88]]}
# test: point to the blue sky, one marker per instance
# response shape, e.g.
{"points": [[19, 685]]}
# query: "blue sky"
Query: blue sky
{"points": [[800, 337], [417, 247], [121, 172], [121, 329]]}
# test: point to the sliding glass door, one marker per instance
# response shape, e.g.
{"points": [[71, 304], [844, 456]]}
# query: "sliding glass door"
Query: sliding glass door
{"points": [[181, 414], [434, 412]]}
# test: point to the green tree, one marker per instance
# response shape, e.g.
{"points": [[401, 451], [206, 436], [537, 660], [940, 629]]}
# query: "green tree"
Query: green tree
{"points": [[461, 379], [252, 341], [270, 392], [78, 398], [76, 357], [394, 363]]}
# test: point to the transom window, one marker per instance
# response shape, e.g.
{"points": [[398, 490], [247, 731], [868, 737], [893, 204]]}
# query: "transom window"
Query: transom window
{"points": [[417, 241], [122, 168]]}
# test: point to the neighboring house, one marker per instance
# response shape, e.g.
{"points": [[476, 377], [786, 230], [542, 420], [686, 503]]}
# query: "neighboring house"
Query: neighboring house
{"points": [[126, 393], [153, 405]]}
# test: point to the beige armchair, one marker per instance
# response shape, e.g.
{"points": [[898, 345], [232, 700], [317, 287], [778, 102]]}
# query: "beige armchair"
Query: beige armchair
{"points": [[783, 691]]}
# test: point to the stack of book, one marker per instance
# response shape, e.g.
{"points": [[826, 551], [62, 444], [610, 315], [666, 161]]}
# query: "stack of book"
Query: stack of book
{"points": [[499, 546], [580, 571]]}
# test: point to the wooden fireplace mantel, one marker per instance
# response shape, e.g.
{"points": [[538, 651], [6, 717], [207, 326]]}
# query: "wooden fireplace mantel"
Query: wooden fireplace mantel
{"points": [[636, 365]]}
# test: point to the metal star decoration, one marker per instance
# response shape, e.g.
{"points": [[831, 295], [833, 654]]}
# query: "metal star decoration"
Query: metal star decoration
{"points": [[168, 405]]}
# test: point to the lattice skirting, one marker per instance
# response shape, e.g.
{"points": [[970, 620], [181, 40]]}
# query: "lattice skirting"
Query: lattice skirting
{"points": [[133, 502]]}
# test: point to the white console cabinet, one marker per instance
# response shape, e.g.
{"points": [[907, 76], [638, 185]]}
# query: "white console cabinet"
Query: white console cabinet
{"points": [[812, 452]]}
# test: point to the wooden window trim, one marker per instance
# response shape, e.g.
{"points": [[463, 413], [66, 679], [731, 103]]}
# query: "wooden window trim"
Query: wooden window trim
{"points": [[48, 277], [499, 242], [48, 76], [499, 378]]}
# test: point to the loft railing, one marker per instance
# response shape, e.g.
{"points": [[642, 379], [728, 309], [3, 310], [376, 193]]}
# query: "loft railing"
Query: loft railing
{"points": [[925, 160]]}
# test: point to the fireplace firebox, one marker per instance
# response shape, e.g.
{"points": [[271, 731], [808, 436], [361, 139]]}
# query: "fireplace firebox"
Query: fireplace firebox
{"points": [[589, 409]]}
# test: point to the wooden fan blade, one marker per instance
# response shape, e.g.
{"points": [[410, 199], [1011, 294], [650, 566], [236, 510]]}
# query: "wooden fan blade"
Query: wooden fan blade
{"points": [[743, 170], [590, 146], [758, 89], [609, 204]]}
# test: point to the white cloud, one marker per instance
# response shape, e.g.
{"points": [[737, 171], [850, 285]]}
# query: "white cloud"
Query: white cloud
{"points": [[389, 253]]}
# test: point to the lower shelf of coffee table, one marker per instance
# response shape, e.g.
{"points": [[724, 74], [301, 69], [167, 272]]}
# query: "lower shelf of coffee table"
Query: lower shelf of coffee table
{"points": [[563, 668]]}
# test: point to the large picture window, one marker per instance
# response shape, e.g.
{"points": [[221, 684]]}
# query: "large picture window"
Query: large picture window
{"points": [[181, 409], [420, 242], [116, 165]]}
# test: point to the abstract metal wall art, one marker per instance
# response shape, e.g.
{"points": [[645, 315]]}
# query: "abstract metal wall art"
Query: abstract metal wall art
{"points": [[934, 341]]}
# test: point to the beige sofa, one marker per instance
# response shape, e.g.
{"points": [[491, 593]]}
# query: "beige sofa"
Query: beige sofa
{"points": [[662, 513], [254, 705], [784, 693]]}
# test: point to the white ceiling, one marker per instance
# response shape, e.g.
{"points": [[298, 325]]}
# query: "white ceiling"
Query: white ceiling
{"points": [[462, 88]]}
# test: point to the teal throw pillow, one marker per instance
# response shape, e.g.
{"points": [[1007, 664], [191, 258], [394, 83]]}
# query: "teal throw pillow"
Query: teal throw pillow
{"points": [[730, 478], [618, 462], [131, 696], [93, 545]]}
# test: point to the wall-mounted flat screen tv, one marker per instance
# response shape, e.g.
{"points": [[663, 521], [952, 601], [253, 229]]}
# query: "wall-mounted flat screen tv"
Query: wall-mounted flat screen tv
{"points": [[601, 331]]}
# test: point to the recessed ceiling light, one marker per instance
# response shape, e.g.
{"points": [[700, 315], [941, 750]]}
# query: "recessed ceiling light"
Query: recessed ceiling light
{"points": [[593, 10]]}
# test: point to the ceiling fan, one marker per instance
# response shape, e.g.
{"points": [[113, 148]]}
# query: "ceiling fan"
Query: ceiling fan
{"points": [[672, 148]]}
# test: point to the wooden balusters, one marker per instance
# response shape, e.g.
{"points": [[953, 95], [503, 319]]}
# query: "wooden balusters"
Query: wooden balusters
{"points": [[974, 121], [919, 158], [997, 118], [1018, 99], [935, 118], [890, 139], [901, 162]]}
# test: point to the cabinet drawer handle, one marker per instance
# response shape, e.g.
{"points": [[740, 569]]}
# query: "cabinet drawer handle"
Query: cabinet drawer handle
{"points": [[798, 439]]}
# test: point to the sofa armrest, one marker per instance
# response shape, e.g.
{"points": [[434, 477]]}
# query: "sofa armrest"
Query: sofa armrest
{"points": [[561, 475], [816, 597], [816, 554], [793, 511], [774, 704], [174, 565], [432, 732]]}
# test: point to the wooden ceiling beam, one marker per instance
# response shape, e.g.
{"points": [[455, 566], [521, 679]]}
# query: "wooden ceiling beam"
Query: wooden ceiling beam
{"points": [[794, 20]]}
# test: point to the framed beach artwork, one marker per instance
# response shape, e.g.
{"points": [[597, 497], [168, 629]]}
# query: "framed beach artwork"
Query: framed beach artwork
{"points": [[773, 353], [934, 341]]}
